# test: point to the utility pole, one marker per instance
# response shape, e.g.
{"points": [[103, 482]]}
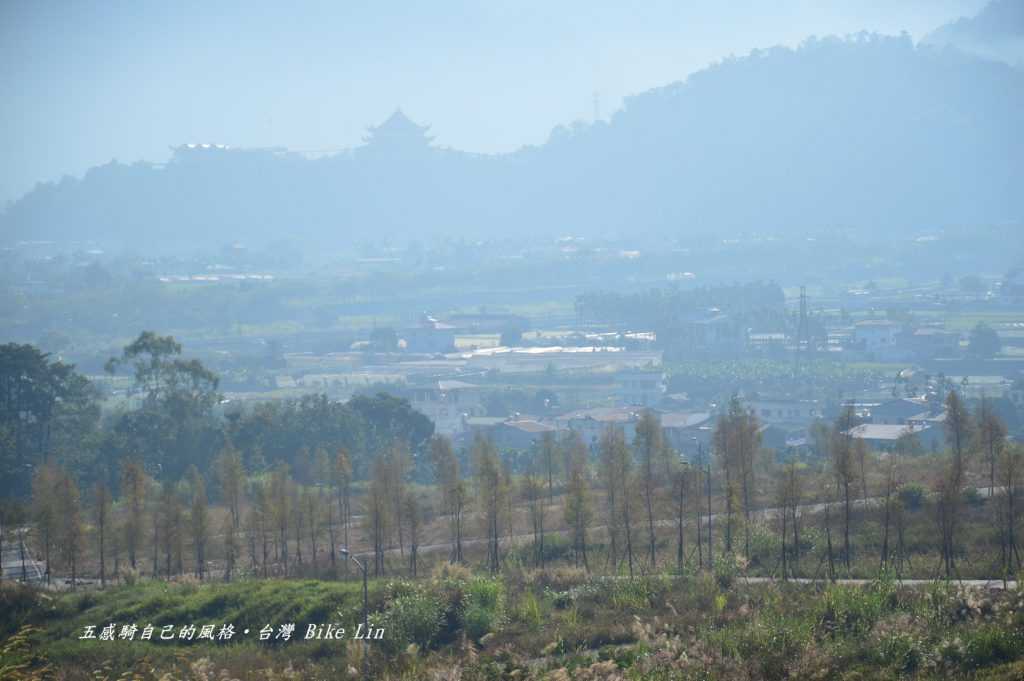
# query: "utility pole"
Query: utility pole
{"points": [[366, 606], [707, 481], [803, 332]]}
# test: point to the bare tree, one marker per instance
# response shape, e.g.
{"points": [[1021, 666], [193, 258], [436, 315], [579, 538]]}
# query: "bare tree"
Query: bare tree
{"points": [[133, 491], [230, 473], [398, 464], [263, 521], [102, 518], [991, 435], [452, 488], [843, 449], [723, 440], [230, 548], [72, 533], [747, 434], [298, 518], [280, 507], [949, 486], [959, 427], [1010, 471], [199, 520], [251, 531], [533, 494], [414, 517], [45, 491], [682, 481], [491, 493], [325, 475], [549, 460], [610, 475], [342, 477], [314, 520], [650, 448], [376, 514], [789, 495], [619, 476], [577, 503], [171, 516], [891, 487]]}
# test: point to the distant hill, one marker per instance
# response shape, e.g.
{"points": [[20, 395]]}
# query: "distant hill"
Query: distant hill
{"points": [[997, 32], [868, 133]]}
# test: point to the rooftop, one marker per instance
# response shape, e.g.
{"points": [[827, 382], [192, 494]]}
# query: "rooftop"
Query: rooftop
{"points": [[876, 431], [684, 419], [530, 426], [397, 127]]}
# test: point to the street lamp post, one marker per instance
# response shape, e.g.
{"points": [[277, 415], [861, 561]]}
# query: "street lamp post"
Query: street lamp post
{"points": [[366, 603]]}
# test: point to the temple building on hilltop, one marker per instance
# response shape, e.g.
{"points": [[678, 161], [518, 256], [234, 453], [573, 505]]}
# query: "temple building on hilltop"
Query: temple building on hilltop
{"points": [[397, 135]]}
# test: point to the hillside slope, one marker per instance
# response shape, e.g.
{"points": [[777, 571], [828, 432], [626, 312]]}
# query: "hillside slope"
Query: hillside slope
{"points": [[868, 133]]}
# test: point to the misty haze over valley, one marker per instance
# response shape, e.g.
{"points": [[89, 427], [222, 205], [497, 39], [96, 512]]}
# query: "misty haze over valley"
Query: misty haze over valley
{"points": [[526, 340]]}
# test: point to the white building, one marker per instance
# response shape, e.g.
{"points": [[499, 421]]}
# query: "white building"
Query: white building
{"points": [[640, 387], [786, 411], [448, 404], [876, 336]]}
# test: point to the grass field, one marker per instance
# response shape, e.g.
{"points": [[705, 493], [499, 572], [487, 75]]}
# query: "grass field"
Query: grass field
{"points": [[554, 625]]}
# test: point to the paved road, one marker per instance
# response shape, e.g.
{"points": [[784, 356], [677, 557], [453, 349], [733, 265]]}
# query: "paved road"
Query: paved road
{"points": [[994, 584], [13, 568]]}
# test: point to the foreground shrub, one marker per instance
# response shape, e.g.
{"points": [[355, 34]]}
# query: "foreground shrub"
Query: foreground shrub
{"points": [[854, 610], [990, 645], [560, 578], [911, 496], [415, 617], [483, 607]]}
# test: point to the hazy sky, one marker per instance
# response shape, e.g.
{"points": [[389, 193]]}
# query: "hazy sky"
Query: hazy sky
{"points": [[84, 82]]}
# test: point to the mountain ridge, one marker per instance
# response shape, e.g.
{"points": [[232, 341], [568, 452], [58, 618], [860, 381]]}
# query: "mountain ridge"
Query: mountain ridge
{"points": [[868, 132]]}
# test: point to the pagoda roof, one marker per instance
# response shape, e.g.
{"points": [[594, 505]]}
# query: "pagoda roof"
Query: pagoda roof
{"points": [[399, 124]]}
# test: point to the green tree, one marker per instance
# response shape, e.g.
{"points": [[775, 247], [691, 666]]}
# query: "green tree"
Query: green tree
{"points": [[46, 407], [175, 426], [390, 418], [984, 342]]}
